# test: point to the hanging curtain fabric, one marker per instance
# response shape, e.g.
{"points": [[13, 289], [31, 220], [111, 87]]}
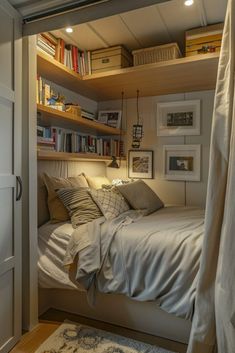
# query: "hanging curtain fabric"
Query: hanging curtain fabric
{"points": [[213, 327]]}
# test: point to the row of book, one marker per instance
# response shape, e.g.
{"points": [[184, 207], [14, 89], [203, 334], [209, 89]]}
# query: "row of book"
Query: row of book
{"points": [[43, 91], [67, 54], [62, 140]]}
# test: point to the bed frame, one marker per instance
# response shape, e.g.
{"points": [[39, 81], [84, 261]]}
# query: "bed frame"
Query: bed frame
{"points": [[145, 317]]}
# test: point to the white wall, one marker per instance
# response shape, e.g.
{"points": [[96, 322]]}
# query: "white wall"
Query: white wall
{"points": [[171, 192]]}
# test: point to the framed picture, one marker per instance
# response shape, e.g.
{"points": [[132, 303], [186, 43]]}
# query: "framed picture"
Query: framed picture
{"points": [[140, 164], [178, 118], [110, 117], [182, 162]]}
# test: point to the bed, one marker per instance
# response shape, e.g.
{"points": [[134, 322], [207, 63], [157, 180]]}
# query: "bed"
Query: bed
{"points": [[163, 249]]}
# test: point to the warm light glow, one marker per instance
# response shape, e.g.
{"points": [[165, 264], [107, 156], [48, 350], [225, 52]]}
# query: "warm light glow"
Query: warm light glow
{"points": [[188, 2], [69, 30]]}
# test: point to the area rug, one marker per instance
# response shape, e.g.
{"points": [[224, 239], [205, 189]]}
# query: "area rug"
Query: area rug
{"points": [[74, 338]]}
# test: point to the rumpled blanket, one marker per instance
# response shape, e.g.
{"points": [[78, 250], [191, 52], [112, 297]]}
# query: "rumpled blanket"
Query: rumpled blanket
{"points": [[147, 258]]}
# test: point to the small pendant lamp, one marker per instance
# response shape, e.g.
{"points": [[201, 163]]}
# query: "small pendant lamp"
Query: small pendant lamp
{"points": [[137, 129]]}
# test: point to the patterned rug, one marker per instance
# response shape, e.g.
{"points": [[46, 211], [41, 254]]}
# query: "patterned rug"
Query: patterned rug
{"points": [[75, 338]]}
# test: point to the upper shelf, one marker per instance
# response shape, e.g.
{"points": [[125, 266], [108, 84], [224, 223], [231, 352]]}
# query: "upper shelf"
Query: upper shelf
{"points": [[187, 74], [68, 120]]}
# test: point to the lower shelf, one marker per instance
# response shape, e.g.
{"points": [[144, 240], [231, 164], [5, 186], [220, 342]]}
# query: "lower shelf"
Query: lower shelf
{"points": [[65, 156]]}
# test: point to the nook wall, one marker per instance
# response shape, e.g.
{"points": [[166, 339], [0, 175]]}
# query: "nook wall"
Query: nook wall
{"points": [[171, 192]]}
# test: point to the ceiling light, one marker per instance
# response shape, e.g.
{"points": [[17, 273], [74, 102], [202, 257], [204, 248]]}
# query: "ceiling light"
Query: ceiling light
{"points": [[69, 30], [188, 2]]}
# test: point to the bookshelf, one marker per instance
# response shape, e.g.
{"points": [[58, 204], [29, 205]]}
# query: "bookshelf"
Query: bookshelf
{"points": [[69, 121], [64, 156], [186, 74], [174, 76], [58, 73]]}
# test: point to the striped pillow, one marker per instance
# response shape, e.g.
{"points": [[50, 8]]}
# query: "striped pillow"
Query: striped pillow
{"points": [[111, 202], [80, 205]]}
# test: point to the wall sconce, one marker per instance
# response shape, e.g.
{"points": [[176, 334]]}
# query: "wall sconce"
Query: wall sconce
{"points": [[137, 129]]}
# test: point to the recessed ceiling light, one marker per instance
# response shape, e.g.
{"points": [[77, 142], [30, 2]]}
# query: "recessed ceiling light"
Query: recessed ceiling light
{"points": [[69, 30], [188, 2]]}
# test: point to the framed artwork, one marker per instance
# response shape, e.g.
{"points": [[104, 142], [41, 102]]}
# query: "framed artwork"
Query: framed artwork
{"points": [[140, 164], [110, 117], [178, 118], [182, 162]]}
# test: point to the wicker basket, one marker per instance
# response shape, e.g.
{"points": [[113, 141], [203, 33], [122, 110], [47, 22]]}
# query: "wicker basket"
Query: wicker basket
{"points": [[156, 54]]}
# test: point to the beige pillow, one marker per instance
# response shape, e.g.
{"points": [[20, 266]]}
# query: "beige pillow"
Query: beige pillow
{"points": [[43, 211], [110, 202], [82, 209], [97, 182], [140, 196], [58, 212]]}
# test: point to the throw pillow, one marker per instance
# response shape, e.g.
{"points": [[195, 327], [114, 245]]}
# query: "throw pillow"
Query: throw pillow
{"points": [[58, 212], [97, 182], [110, 202], [80, 205], [140, 196]]}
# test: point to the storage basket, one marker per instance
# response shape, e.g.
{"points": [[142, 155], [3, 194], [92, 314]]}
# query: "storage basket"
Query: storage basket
{"points": [[110, 59], [155, 54]]}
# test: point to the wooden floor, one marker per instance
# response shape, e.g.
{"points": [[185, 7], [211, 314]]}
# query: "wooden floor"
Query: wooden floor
{"points": [[52, 319]]}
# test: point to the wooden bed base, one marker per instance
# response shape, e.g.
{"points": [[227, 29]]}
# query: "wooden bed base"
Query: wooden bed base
{"points": [[145, 317]]}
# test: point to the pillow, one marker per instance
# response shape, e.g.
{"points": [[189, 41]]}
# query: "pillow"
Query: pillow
{"points": [[43, 211], [110, 202], [97, 182], [140, 196], [58, 212], [80, 205]]}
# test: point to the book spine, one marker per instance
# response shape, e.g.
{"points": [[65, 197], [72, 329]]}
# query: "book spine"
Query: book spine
{"points": [[62, 49]]}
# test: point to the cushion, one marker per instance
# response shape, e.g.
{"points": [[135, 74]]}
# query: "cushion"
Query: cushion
{"points": [[140, 196], [80, 205], [110, 202], [58, 213], [97, 182], [43, 211]]}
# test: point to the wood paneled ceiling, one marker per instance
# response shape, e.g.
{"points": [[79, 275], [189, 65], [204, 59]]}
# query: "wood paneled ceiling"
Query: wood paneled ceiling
{"points": [[148, 26]]}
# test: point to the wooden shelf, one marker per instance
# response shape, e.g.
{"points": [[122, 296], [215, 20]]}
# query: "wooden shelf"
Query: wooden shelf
{"points": [[65, 156], [56, 72], [67, 120], [188, 74]]}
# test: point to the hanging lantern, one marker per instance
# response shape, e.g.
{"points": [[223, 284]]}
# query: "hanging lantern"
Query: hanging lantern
{"points": [[137, 129]]}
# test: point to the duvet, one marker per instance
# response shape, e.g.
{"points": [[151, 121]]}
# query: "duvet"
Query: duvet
{"points": [[148, 258]]}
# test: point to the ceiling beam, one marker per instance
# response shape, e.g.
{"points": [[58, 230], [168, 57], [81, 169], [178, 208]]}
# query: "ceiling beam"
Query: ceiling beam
{"points": [[86, 14]]}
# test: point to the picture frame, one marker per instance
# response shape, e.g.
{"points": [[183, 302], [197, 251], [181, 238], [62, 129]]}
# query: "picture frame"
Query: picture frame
{"points": [[140, 164], [110, 117], [179, 118], [182, 162]]}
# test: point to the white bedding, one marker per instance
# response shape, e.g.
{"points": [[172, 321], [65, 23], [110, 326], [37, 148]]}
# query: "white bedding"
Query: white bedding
{"points": [[52, 243], [151, 258], [154, 258]]}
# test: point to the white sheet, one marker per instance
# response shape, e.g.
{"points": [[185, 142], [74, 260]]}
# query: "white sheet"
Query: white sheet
{"points": [[52, 243]]}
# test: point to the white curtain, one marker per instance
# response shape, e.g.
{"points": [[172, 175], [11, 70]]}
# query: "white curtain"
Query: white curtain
{"points": [[213, 328]]}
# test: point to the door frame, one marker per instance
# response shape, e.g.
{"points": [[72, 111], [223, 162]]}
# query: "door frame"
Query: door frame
{"points": [[14, 95]]}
